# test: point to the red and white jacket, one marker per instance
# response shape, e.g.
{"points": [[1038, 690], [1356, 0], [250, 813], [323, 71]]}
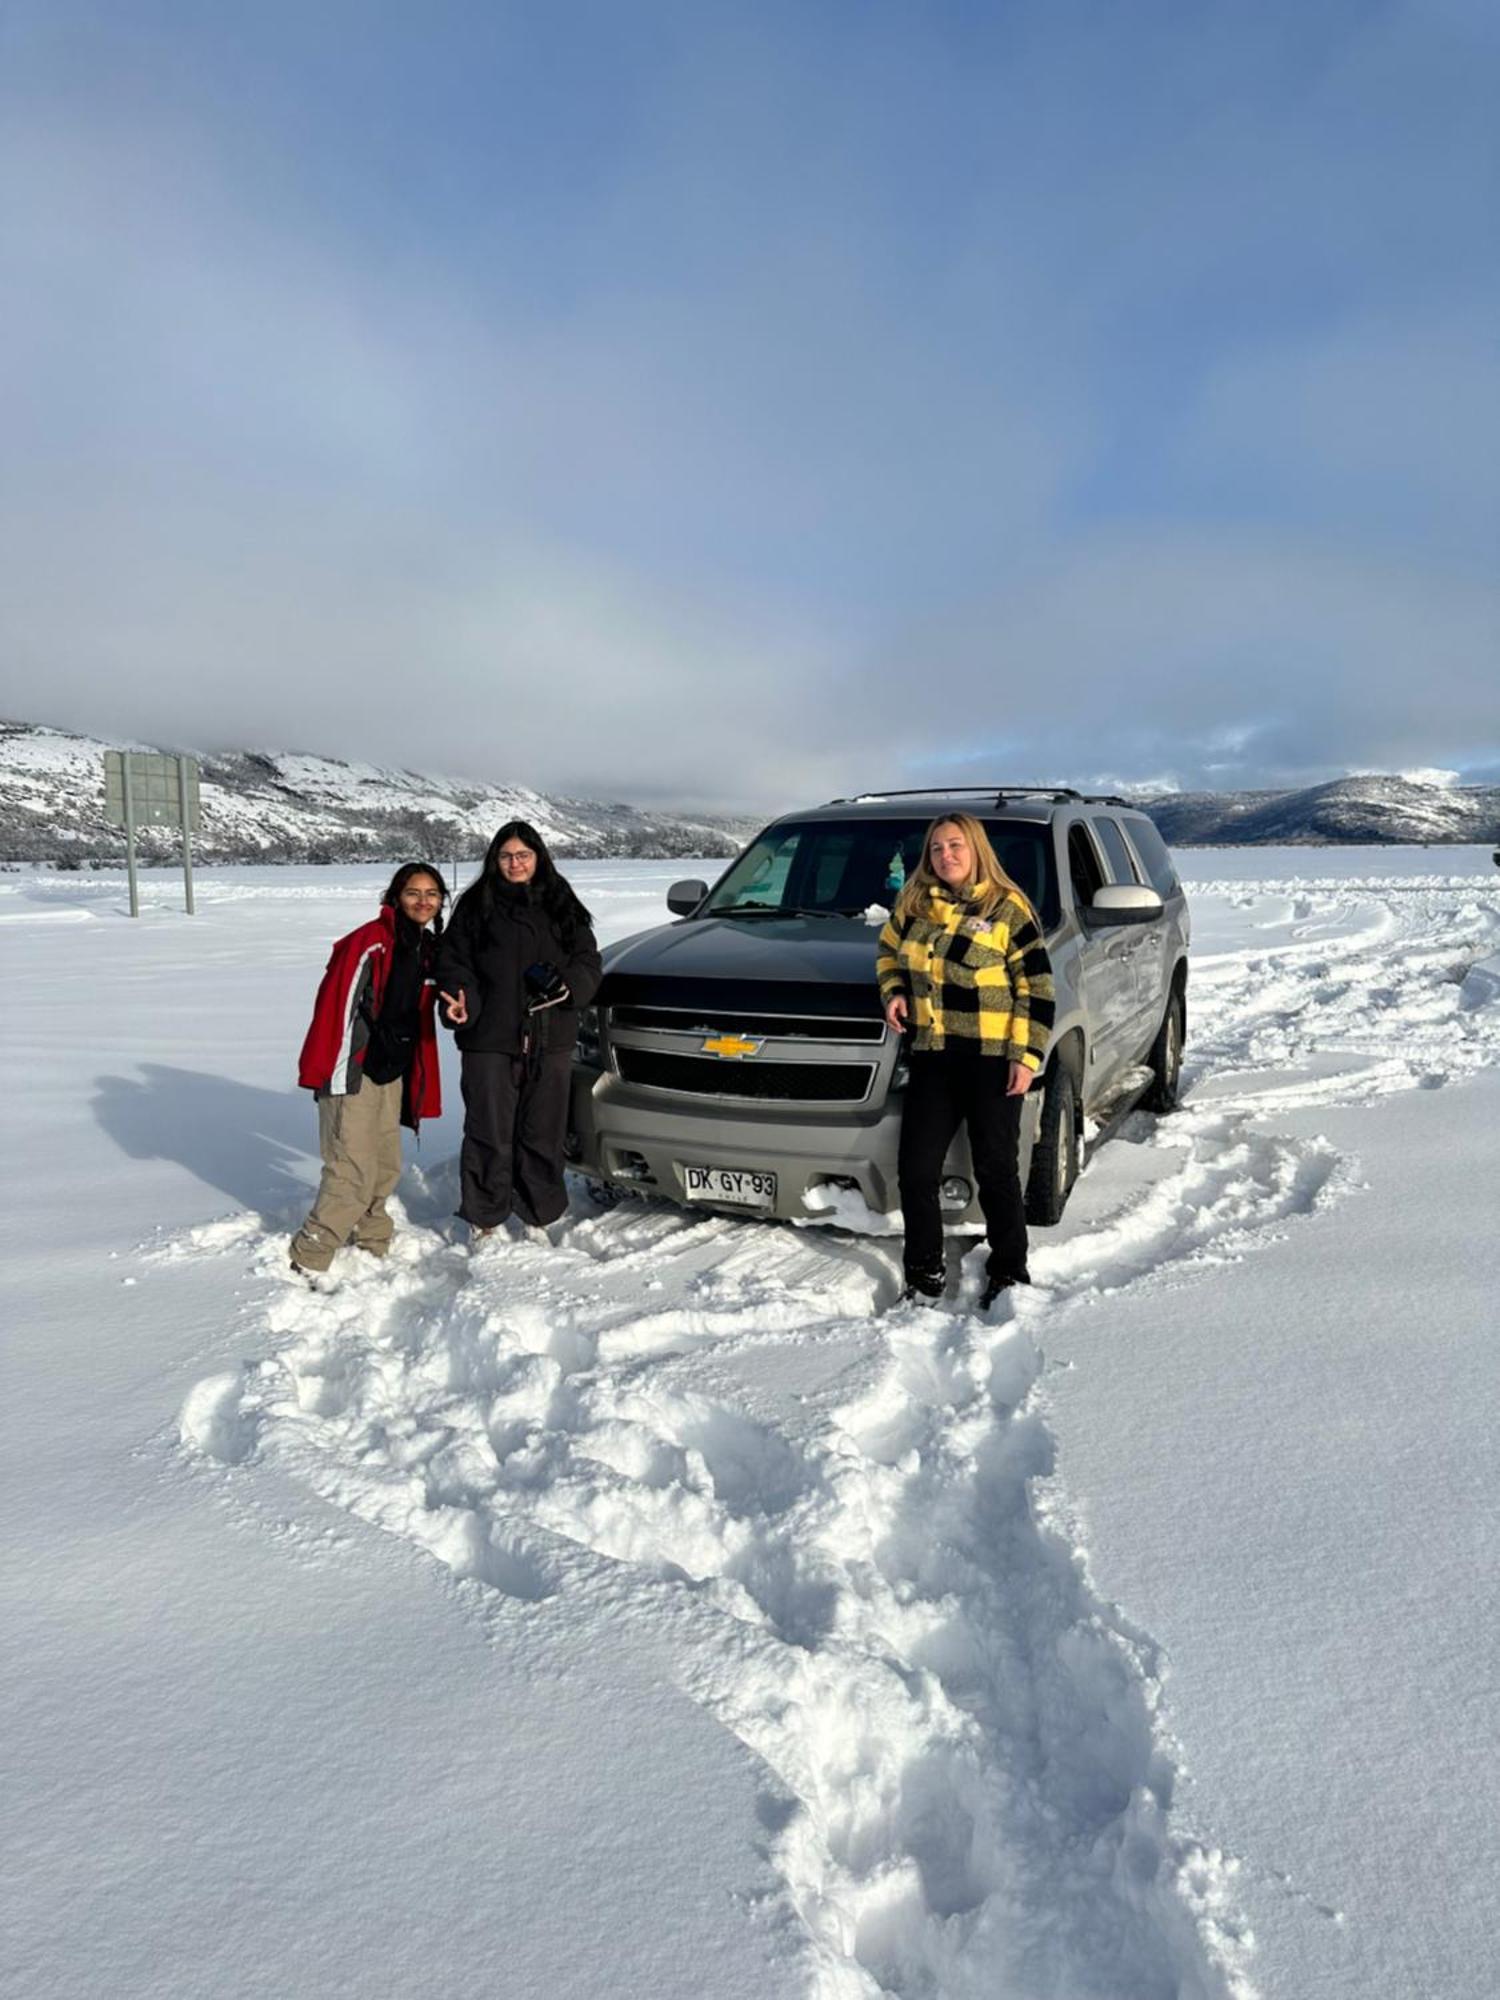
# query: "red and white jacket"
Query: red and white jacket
{"points": [[334, 1050]]}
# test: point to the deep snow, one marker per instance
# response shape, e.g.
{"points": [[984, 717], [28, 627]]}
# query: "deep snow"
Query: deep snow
{"points": [[728, 1634]]}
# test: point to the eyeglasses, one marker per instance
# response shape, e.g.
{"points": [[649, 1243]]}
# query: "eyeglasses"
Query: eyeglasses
{"points": [[514, 856]]}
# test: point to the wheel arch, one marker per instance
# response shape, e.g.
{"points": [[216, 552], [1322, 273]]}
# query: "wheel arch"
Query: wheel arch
{"points": [[1067, 1052], [1178, 989]]}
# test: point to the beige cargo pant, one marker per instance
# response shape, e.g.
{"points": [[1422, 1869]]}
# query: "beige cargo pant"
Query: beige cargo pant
{"points": [[360, 1138]]}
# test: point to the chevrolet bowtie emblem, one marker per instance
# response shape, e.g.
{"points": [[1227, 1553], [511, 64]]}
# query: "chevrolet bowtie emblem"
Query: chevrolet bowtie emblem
{"points": [[731, 1045]]}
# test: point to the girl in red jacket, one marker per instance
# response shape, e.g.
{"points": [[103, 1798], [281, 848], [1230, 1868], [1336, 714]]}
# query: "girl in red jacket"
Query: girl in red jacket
{"points": [[371, 1058]]}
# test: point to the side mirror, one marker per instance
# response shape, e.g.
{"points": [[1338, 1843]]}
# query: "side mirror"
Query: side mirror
{"points": [[1122, 903], [684, 897]]}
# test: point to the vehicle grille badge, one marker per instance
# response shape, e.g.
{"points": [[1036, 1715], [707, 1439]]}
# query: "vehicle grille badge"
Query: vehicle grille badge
{"points": [[732, 1046]]}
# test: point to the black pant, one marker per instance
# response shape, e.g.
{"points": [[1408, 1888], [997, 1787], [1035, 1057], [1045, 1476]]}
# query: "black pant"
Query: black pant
{"points": [[947, 1089], [514, 1123]]}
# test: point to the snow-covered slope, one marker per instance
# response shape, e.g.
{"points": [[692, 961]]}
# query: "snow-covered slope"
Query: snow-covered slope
{"points": [[282, 806], [1407, 811]]}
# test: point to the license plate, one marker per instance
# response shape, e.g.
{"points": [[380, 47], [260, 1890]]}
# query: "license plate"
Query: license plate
{"points": [[746, 1187]]}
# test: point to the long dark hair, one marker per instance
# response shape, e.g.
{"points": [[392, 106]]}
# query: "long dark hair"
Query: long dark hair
{"points": [[553, 891], [391, 900]]}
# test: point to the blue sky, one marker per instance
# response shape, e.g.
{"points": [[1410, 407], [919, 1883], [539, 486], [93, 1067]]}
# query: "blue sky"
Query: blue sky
{"points": [[742, 404]]}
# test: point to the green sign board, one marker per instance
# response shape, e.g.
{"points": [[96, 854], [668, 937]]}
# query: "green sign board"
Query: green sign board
{"points": [[144, 788], [163, 791]]}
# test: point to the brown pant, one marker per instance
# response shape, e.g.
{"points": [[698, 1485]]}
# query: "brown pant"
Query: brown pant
{"points": [[360, 1139]]}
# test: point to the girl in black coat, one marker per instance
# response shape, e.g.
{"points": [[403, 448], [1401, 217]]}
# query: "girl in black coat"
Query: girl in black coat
{"points": [[517, 962]]}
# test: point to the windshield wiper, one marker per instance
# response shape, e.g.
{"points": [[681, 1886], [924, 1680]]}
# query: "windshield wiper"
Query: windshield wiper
{"points": [[778, 910]]}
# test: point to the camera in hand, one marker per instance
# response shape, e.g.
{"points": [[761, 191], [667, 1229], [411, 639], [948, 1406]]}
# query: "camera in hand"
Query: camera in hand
{"points": [[545, 987]]}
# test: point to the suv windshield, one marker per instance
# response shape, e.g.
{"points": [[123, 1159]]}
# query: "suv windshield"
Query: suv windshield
{"points": [[840, 867]]}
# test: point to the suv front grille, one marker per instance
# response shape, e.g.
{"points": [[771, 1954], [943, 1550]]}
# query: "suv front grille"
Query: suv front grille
{"points": [[785, 1027], [703, 1076]]}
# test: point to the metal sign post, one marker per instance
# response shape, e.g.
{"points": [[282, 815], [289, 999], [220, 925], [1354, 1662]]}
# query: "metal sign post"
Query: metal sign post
{"points": [[142, 788], [183, 779], [128, 798]]}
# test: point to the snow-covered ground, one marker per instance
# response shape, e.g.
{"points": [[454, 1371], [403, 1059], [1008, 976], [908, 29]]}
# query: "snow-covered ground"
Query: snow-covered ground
{"points": [[655, 1613]]}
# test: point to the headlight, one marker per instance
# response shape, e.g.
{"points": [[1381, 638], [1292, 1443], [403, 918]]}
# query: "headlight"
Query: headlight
{"points": [[587, 1050]]}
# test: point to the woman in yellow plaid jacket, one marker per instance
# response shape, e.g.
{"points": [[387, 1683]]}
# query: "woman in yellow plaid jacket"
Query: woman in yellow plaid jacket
{"points": [[964, 973]]}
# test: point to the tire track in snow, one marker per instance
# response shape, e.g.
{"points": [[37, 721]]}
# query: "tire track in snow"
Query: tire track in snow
{"points": [[1376, 971], [974, 1781]]}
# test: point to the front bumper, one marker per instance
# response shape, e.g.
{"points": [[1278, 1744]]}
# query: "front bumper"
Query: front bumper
{"points": [[642, 1141]]}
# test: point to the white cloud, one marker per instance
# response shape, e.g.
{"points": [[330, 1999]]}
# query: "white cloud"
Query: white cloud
{"points": [[1426, 775]]}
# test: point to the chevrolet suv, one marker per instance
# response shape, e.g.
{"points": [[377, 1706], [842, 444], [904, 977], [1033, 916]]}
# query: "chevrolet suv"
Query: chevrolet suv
{"points": [[738, 1059]]}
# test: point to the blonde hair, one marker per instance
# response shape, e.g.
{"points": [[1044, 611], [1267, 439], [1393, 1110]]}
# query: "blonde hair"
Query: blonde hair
{"points": [[987, 869]]}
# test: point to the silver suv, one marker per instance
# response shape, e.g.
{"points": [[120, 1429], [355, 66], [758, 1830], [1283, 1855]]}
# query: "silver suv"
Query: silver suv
{"points": [[737, 1059]]}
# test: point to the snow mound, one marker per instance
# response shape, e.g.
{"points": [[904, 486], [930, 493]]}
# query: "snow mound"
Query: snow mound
{"points": [[214, 1421], [1481, 984]]}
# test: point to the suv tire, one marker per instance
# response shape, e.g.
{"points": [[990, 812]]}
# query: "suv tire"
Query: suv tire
{"points": [[1165, 1059], [1054, 1157]]}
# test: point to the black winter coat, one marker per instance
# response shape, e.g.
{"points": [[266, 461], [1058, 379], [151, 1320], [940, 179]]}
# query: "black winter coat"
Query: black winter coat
{"points": [[489, 962]]}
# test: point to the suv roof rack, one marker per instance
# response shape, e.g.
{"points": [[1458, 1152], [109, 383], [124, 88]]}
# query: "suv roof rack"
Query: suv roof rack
{"points": [[999, 793]]}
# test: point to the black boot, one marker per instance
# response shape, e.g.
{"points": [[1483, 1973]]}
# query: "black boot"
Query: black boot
{"points": [[994, 1287], [924, 1285]]}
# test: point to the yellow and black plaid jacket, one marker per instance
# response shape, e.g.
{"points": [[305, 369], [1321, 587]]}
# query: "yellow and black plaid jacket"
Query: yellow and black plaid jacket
{"points": [[968, 978]]}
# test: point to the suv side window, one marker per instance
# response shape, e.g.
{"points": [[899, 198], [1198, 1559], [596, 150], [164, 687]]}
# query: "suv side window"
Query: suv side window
{"points": [[1120, 864], [1083, 865], [1152, 849]]}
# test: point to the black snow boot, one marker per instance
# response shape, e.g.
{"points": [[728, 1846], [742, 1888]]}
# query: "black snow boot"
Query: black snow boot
{"points": [[994, 1288], [923, 1285]]}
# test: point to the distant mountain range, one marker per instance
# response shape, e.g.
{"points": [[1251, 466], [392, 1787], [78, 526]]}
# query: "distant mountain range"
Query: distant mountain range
{"points": [[1399, 811], [271, 805], [262, 805]]}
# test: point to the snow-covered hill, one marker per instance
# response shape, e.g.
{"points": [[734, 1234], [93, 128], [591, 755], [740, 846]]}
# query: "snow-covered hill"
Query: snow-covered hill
{"points": [[263, 805], [279, 806], [1405, 811]]}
